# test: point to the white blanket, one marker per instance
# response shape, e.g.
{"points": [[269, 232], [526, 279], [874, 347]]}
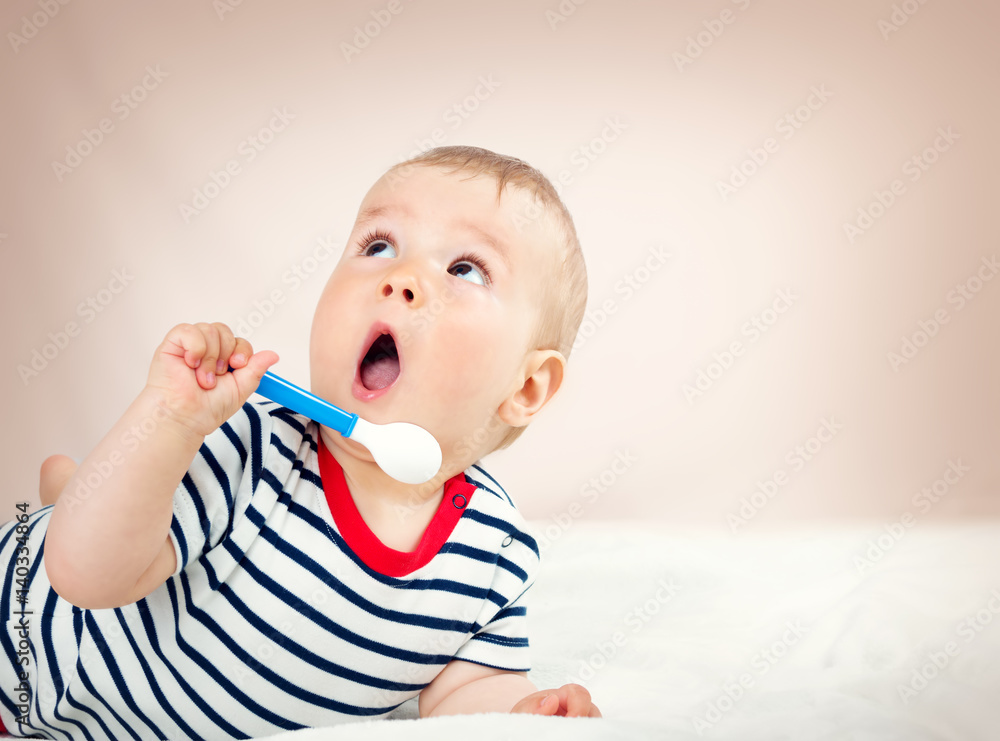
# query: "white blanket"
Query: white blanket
{"points": [[825, 638], [794, 635]]}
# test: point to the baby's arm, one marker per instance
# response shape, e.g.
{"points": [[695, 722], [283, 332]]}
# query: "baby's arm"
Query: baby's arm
{"points": [[107, 542], [464, 687]]}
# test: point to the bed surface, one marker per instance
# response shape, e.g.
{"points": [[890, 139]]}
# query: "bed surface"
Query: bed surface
{"points": [[822, 631], [823, 626]]}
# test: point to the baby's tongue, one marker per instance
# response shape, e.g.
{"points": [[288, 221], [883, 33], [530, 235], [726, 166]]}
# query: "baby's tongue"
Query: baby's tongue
{"points": [[379, 373]]}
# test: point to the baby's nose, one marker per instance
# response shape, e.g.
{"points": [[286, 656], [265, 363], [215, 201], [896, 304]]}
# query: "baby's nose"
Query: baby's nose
{"points": [[403, 284], [387, 290]]}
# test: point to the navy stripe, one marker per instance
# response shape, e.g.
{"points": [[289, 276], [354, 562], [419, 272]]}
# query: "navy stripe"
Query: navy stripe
{"points": [[147, 622], [82, 707], [233, 436], [209, 668], [296, 649], [53, 666], [223, 480], [492, 666], [290, 418], [512, 642], [256, 446], [88, 683], [284, 450], [478, 554], [495, 483], [297, 463], [34, 520], [442, 585], [8, 583], [514, 611], [397, 616], [320, 525], [5, 610], [111, 664], [206, 526], [178, 534], [308, 611], [504, 527], [506, 563]]}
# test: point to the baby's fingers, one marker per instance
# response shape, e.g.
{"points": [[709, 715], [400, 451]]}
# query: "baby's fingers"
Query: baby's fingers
{"points": [[549, 705], [227, 345], [242, 352], [577, 700], [187, 342], [206, 369], [538, 703]]}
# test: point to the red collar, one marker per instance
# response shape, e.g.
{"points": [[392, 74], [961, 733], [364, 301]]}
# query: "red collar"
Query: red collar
{"points": [[375, 554]]}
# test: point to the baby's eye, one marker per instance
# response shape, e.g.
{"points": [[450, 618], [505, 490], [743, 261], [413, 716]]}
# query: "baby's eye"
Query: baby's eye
{"points": [[468, 271], [379, 248]]}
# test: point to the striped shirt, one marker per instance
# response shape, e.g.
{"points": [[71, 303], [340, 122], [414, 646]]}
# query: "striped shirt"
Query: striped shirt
{"points": [[285, 611]]}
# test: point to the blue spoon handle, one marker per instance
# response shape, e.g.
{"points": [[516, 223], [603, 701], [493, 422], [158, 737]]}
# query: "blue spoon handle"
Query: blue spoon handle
{"points": [[299, 400]]}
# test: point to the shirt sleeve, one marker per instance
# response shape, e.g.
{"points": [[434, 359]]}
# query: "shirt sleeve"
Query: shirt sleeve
{"points": [[218, 485], [500, 635]]}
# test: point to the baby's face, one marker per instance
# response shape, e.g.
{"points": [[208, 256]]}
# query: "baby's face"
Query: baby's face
{"points": [[428, 315]]}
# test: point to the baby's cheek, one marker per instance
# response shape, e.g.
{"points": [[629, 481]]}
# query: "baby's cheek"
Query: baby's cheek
{"points": [[456, 373], [462, 389]]}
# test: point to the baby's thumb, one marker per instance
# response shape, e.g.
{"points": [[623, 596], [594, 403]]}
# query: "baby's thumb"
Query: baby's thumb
{"points": [[249, 375]]}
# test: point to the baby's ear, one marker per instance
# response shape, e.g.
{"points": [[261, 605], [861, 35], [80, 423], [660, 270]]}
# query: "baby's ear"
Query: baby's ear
{"points": [[542, 376]]}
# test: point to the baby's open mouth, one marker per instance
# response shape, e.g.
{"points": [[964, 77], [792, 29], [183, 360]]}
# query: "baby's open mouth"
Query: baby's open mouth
{"points": [[380, 366]]}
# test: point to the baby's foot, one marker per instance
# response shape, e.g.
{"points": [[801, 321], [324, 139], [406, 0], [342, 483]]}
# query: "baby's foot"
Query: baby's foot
{"points": [[56, 472]]}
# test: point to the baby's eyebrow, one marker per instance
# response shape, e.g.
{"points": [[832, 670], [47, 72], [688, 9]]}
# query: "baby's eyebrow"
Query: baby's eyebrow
{"points": [[492, 242], [374, 212]]}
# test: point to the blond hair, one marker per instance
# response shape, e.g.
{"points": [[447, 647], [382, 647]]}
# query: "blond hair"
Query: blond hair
{"points": [[562, 309]]}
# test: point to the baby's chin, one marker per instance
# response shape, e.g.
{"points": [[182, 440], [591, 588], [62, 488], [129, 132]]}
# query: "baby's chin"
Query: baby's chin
{"points": [[340, 445]]}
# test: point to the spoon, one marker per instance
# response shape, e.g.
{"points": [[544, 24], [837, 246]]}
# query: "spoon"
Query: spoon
{"points": [[405, 451]]}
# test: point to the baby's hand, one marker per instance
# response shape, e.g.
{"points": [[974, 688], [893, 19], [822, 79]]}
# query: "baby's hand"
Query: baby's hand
{"points": [[190, 371], [570, 700]]}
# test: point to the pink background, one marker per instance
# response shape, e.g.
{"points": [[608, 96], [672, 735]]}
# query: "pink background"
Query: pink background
{"points": [[553, 86]]}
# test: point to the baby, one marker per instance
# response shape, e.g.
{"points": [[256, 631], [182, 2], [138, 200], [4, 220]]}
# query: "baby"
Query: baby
{"points": [[225, 568]]}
